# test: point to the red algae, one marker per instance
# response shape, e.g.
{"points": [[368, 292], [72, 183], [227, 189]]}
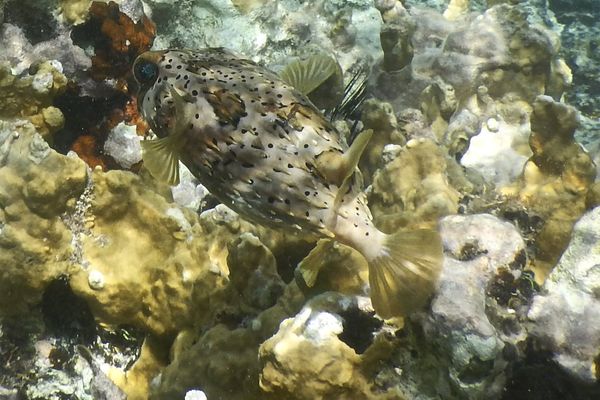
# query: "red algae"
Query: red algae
{"points": [[117, 41]]}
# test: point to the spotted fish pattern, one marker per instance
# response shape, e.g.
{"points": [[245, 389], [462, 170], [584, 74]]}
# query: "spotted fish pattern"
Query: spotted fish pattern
{"points": [[262, 148], [253, 140]]}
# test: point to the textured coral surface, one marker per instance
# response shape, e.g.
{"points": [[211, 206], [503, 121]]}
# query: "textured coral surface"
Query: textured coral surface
{"points": [[114, 286]]}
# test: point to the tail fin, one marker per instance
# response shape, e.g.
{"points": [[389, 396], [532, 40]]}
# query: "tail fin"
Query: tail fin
{"points": [[404, 274]]}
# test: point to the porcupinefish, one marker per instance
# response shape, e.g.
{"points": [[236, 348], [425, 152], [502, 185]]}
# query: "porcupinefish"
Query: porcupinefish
{"points": [[262, 148]]}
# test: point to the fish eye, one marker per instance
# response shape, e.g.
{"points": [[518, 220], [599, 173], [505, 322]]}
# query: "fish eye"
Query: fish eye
{"points": [[145, 72]]}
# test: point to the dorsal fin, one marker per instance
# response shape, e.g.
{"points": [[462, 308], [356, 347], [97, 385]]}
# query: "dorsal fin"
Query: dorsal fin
{"points": [[308, 74]]}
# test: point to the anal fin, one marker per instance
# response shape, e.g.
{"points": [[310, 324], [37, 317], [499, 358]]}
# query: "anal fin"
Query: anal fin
{"points": [[310, 266]]}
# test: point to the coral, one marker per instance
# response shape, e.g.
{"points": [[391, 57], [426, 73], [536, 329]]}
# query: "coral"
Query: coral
{"points": [[31, 97], [413, 187], [306, 359], [461, 81], [500, 148], [569, 298], [152, 285], [556, 178], [272, 32], [37, 187], [86, 148], [395, 35], [117, 39], [75, 11], [175, 296], [21, 50], [465, 343]]}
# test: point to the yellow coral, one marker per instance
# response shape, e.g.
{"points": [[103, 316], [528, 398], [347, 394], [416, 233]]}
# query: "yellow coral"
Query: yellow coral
{"points": [[75, 11]]}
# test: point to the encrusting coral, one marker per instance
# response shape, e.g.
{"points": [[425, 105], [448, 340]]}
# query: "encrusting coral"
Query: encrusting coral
{"points": [[37, 186], [556, 179], [466, 112], [32, 96], [413, 187]]}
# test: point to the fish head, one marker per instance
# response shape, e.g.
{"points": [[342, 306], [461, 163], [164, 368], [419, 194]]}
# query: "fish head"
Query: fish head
{"points": [[155, 72]]}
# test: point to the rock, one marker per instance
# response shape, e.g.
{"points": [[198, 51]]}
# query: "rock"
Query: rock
{"points": [[271, 32], [499, 151], [477, 313], [123, 144], [562, 313], [579, 38], [189, 192]]}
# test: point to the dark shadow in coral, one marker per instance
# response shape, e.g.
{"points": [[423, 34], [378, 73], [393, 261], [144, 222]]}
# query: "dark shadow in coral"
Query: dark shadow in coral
{"points": [[359, 329], [538, 377], [34, 18]]}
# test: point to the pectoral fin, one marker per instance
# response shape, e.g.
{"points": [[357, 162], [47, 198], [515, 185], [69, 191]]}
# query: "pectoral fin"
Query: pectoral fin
{"points": [[161, 158], [181, 112]]}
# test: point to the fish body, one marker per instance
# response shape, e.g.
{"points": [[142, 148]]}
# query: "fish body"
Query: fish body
{"points": [[261, 147]]}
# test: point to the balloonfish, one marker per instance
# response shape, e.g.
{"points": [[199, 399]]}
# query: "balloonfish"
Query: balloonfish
{"points": [[262, 148]]}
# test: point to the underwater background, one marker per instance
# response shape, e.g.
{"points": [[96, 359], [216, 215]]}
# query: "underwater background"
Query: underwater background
{"points": [[486, 124]]}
